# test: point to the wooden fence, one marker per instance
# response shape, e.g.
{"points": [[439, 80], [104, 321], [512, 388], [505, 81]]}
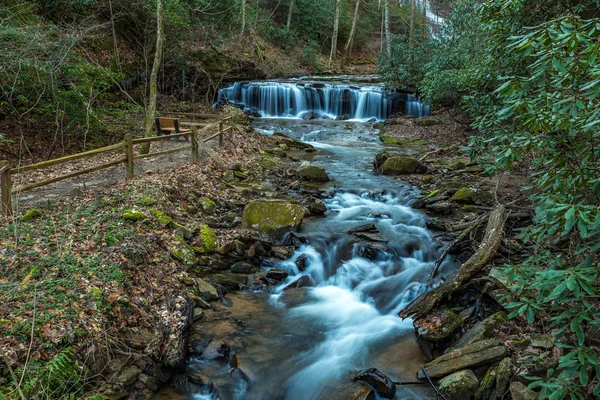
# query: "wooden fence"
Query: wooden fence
{"points": [[6, 172]]}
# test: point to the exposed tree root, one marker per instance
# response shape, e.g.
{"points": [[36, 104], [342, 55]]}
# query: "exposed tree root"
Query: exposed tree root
{"points": [[487, 249]]}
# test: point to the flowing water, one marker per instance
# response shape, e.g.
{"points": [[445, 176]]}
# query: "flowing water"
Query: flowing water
{"points": [[308, 343], [306, 98]]}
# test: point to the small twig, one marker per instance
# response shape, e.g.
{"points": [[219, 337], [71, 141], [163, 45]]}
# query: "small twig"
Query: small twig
{"points": [[12, 374], [497, 186], [442, 150], [440, 394]]}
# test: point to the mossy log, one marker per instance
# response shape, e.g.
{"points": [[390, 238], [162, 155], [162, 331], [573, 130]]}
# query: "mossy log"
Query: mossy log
{"points": [[486, 251]]}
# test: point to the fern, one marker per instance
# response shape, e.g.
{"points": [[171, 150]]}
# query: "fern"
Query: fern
{"points": [[59, 378]]}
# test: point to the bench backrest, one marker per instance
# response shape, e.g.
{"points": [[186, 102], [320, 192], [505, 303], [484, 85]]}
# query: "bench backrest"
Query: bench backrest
{"points": [[167, 122]]}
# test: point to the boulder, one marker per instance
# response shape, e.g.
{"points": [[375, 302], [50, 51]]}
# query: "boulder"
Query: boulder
{"points": [[273, 218], [518, 391], [380, 158], [205, 290], [480, 331], [470, 356], [183, 252], [216, 350], [303, 281], [460, 385], [227, 282], [399, 165], [383, 385], [207, 240], [465, 195], [317, 208], [277, 274], [302, 262], [437, 325], [208, 206], [242, 268], [313, 173]]}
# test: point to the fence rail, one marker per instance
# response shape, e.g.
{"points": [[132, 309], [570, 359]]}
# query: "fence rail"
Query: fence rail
{"points": [[6, 172]]}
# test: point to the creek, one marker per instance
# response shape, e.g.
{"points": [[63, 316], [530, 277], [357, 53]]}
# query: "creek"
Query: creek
{"points": [[309, 343]]}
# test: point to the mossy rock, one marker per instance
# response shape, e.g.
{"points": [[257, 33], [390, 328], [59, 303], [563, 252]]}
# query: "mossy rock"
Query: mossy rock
{"points": [[183, 252], [428, 121], [227, 282], [273, 218], [400, 165], [427, 179], [208, 206], [205, 290], [162, 218], [133, 215], [465, 195], [31, 215], [461, 385], [208, 240], [269, 162], [438, 325], [480, 331], [459, 165], [313, 173]]}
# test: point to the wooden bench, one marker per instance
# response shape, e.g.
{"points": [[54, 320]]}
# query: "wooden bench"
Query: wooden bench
{"points": [[167, 126]]}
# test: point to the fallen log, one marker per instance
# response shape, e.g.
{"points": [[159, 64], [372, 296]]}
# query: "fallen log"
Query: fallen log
{"points": [[487, 249]]}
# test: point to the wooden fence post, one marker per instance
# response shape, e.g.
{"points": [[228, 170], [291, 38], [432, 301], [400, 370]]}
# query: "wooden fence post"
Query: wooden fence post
{"points": [[129, 156], [5, 186], [221, 133], [194, 143]]}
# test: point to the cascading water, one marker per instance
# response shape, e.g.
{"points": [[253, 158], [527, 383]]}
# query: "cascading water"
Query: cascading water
{"points": [[319, 100]]}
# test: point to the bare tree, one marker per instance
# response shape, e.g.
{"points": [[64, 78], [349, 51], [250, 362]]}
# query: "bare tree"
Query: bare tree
{"points": [[350, 42], [243, 16], [151, 109], [388, 35], [290, 11], [336, 25]]}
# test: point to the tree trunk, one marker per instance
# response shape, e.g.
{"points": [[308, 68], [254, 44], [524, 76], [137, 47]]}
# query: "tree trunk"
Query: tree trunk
{"points": [[336, 25], [411, 32], [425, 21], [243, 16], [350, 42], [290, 11], [151, 108], [388, 35], [484, 254]]}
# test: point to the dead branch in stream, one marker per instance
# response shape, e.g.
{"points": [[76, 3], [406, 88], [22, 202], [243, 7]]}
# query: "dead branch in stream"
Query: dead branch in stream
{"points": [[484, 254]]}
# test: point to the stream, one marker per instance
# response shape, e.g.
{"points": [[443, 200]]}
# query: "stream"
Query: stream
{"points": [[309, 343]]}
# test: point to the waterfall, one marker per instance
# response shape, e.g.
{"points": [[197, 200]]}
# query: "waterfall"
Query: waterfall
{"points": [[319, 101]]}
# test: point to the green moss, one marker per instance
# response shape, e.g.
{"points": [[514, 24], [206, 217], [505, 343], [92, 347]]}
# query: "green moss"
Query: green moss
{"points": [[399, 165], [459, 165], [31, 214], [428, 121], [146, 201], [387, 139], [96, 292], [427, 179], [273, 218], [208, 239], [268, 162], [162, 218], [468, 208], [465, 195], [226, 281], [208, 206], [432, 194], [183, 252], [133, 215]]}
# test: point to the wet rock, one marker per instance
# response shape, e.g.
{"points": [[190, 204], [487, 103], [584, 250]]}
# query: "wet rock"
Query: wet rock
{"points": [[197, 343], [302, 262], [361, 393], [437, 325], [273, 218], [378, 381], [372, 251], [400, 165], [380, 215], [292, 239], [470, 356], [303, 281], [313, 173], [380, 158], [183, 252], [308, 116], [149, 381], [480, 331], [242, 268], [364, 228], [180, 384], [283, 252], [342, 118], [228, 282], [277, 274], [518, 391], [435, 224], [217, 350], [373, 237], [441, 207], [317, 208], [198, 314], [205, 290], [460, 385]]}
